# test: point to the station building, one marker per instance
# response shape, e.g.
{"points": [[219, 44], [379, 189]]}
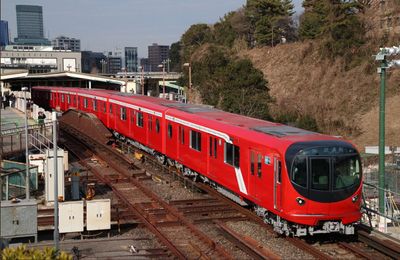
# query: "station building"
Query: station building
{"points": [[39, 59]]}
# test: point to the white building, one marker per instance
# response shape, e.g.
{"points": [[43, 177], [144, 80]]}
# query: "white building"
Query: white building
{"points": [[66, 43], [39, 59]]}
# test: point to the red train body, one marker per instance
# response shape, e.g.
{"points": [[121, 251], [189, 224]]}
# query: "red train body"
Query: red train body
{"points": [[299, 181]]}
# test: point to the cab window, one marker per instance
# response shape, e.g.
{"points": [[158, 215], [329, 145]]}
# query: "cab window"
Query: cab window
{"points": [[320, 173]]}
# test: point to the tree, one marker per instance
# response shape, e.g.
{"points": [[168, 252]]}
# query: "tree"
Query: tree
{"points": [[194, 37], [175, 56], [224, 33], [231, 84], [345, 30], [314, 18], [270, 19], [335, 21]]}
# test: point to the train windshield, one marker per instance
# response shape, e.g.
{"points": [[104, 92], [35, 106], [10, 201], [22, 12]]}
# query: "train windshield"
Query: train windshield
{"points": [[321, 169]]}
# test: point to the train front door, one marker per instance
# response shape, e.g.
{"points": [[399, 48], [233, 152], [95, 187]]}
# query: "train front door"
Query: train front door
{"points": [[277, 183]]}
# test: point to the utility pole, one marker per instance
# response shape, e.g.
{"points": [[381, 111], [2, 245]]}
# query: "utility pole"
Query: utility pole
{"points": [[27, 179], [385, 64], [55, 158], [382, 136]]}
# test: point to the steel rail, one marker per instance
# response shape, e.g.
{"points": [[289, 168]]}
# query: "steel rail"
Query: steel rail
{"points": [[164, 240], [119, 168]]}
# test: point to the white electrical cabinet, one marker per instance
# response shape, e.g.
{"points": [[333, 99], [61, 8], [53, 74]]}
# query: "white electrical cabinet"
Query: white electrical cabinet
{"points": [[98, 214], [49, 173], [18, 219], [70, 216]]}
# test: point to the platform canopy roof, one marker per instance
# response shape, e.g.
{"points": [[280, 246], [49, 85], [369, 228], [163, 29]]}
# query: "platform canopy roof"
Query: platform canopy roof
{"points": [[24, 75]]}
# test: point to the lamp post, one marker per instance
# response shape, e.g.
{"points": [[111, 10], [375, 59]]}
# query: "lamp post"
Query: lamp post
{"points": [[142, 78], [27, 184], [189, 65], [163, 73], [168, 61], [382, 56]]}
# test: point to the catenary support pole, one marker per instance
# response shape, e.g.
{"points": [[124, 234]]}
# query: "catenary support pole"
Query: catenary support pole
{"points": [[55, 157], [382, 137]]}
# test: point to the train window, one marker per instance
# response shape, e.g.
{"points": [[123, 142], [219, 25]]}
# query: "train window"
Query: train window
{"points": [[94, 104], [182, 131], [74, 100], [259, 164], [85, 103], [169, 130], [123, 113], [347, 172], [252, 163], [279, 171], [232, 155], [299, 171], [157, 125], [104, 107], [211, 146], [68, 99], [195, 140], [62, 97], [150, 122], [215, 147], [111, 108], [139, 119], [320, 173]]}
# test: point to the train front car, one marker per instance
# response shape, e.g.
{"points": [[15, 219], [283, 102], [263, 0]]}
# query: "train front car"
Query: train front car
{"points": [[323, 189]]}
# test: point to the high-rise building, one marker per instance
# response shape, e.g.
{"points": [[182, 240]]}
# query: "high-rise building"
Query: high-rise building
{"points": [[114, 65], [4, 35], [157, 54], [144, 63], [93, 62], [30, 25], [66, 43], [131, 59], [114, 61]]}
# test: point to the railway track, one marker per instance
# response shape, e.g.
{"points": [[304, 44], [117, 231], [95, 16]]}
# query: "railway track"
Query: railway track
{"points": [[124, 185], [168, 221], [183, 213]]}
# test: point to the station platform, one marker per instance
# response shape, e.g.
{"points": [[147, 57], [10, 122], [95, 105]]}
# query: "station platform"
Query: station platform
{"points": [[12, 132], [13, 118]]}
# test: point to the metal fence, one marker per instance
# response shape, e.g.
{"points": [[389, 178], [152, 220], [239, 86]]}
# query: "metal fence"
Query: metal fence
{"points": [[13, 179], [371, 190]]}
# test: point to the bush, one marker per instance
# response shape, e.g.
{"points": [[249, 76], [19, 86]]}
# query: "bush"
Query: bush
{"points": [[22, 252]]}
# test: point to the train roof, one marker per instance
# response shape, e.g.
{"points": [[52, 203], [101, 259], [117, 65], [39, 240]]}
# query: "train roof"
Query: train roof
{"points": [[233, 124]]}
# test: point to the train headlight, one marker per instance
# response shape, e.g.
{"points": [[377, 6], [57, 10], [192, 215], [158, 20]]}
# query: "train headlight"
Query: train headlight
{"points": [[354, 199], [301, 201]]}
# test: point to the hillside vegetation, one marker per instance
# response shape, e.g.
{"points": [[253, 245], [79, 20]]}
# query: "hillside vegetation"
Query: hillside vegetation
{"points": [[319, 75]]}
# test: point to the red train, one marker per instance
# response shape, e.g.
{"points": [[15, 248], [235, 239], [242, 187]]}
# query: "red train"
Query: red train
{"points": [[299, 181]]}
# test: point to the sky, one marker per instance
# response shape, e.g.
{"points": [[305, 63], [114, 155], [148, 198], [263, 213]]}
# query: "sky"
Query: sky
{"points": [[103, 25]]}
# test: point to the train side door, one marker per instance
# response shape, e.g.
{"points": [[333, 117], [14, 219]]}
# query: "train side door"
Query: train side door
{"points": [[212, 155], [256, 174], [277, 183]]}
